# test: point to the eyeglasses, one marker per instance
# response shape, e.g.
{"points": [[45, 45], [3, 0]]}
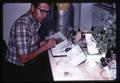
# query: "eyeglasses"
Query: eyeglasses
{"points": [[43, 11]]}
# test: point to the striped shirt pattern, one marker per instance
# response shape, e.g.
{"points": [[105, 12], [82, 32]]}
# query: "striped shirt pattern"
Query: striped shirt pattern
{"points": [[23, 38]]}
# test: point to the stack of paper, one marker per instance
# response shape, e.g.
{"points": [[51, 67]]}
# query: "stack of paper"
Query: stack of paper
{"points": [[76, 55], [91, 44]]}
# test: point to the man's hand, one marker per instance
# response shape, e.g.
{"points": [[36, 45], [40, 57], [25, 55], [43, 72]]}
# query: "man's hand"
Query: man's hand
{"points": [[50, 43]]}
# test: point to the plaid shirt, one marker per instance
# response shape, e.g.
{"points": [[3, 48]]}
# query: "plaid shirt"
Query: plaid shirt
{"points": [[23, 38]]}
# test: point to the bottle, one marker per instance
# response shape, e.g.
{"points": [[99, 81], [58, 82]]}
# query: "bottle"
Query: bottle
{"points": [[63, 19], [105, 73], [111, 57]]}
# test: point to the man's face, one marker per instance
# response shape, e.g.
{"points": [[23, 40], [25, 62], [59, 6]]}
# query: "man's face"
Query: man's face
{"points": [[41, 11]]}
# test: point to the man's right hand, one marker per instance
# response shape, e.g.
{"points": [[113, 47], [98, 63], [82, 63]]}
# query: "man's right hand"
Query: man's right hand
{"points": [[50, 43]]}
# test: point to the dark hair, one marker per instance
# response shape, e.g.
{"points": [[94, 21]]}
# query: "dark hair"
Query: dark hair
{"points": [[36, 4]]}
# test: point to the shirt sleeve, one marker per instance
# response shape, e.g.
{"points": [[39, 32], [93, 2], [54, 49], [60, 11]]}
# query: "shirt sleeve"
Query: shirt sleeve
{"points": [[22, 34]]}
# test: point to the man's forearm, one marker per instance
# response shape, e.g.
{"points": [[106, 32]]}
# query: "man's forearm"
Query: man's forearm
{"points": [[27, 57]]}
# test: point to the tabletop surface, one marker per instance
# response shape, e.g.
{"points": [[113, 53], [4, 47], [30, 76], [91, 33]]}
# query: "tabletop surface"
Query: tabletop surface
{"points": [[63, 70], [90, 69]]}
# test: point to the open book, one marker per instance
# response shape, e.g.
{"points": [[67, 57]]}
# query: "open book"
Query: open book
{"points": [[62, 44], [66, 48]]}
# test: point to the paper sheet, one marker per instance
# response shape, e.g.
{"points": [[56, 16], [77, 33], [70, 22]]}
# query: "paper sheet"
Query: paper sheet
{"points": [[91, 44], [76, 55]]}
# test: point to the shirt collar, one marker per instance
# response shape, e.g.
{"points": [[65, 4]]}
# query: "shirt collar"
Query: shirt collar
{"points": [[33, 20]]}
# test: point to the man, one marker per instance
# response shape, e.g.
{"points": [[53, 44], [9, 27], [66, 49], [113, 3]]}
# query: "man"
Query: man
{"points": [[24, 45]]}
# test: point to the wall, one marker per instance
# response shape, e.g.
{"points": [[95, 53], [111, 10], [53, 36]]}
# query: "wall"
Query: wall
{"points": [[11, 11]]}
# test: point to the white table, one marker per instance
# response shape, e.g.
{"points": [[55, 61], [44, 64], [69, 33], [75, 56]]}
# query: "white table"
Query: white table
{"points": [[63, 70]]}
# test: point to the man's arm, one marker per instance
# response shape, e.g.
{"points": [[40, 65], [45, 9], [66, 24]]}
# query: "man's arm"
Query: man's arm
{"points": [[27, 57]]}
